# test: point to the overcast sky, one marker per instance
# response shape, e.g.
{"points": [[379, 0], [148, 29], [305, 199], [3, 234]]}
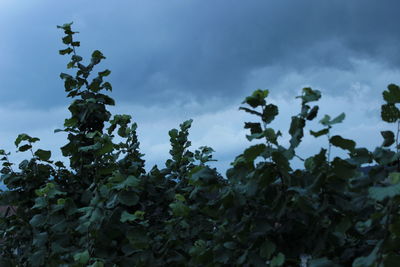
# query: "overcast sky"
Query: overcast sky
{"points": [[175, 60]]}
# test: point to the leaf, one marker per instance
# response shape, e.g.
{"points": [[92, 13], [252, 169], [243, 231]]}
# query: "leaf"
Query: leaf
{"points": [[296, 131], [130, 181], [389, 138], [312, 113], [127, 217], [269, 113], [310, 95], [319, 133], [255, 127], [392, 96], [230, 245], [251, 111], [251, 153], [37, 220], [343, 143], [338, 119], [128, 198], [257, 98], [267, 249], [326, 120], [25, 137], [40, 239], [24, 148], [82, 257], [107, 86], [104, 73], [278, 260], [382, 192], [98, 54], [390, 113], [43, 154], [179, 209], [394, 177], [68, 50], [342, 168], [67, 39], [70, 122]]}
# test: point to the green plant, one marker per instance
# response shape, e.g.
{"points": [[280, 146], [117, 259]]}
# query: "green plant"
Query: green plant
{"points": [[106, 210]]}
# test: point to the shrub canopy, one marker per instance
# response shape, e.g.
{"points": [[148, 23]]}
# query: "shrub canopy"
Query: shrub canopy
{"points": [[106, 210]]}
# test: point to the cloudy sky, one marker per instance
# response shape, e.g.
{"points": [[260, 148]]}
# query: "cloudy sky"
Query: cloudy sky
{"points": [[175, 60]]}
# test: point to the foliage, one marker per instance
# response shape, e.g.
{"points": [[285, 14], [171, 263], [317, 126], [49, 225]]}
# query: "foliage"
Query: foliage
{"points": [[106, 210]]}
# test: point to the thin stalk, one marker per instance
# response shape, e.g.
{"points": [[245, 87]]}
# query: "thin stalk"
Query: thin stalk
{"points": [[397, 144], [329, 148]]}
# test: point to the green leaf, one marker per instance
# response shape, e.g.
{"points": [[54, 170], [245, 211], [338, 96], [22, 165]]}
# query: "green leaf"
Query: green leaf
{"points": [[269, 113], [326, 120], [251, 153], [97, 54], [392, 96], [128, 198], [343, 143], [179, 209], [128, 217], [267, 249], [251, 111], [310, 95], [25, 137], [68, 50], [394, 177], [255, 127], [82, 257], [312, 113], [342, 168], [24, 148], [389, 138], [130, 181], [230, 245], [338, 119], [390, 113], [278, 260], [40, 239], [257, 98], [180, 197], [104, 73], [382, 192], [37, 220], [67, 39], [319, 133], [107, 86], [43, 154], [71, 122]]}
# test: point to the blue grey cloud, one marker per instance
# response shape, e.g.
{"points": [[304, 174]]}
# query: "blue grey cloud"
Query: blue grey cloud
{"points": [[159, 49]]}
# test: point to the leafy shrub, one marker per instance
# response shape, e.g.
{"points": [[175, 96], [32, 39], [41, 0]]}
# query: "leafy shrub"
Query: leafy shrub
{"points": [[106, 210]]}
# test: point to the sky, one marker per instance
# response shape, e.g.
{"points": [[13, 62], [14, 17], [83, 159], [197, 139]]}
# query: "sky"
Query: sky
{"points": [[177, 60]]}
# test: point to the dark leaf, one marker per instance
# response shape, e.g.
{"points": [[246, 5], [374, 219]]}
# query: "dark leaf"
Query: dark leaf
{"points": [[389, 138], [343, 143], [43, 154]]}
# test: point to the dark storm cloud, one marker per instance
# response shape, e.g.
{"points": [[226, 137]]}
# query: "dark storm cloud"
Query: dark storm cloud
{"points": [[165, 51]]}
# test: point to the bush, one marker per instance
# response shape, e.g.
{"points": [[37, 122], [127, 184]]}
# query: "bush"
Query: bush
{"points": [[106, 210]]}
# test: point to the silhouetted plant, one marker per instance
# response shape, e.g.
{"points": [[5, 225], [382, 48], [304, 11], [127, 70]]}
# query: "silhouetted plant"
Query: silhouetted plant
{"points": [[106, 210]]}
